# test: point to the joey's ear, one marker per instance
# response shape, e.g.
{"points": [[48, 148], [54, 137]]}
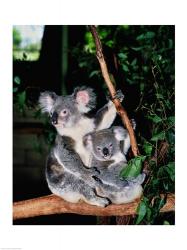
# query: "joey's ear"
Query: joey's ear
{"points": [[46, 101], [87, 140], [120, 133], [85, 98]]}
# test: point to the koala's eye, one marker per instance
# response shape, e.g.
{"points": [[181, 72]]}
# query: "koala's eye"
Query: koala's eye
{"points": [[51, 114], [64, 111], [110, 145], [98, 148]]}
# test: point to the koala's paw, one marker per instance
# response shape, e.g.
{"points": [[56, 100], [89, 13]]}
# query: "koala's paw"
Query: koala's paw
{"points": [[103, 202], [96, 170], [97, 179], [119, 95]]}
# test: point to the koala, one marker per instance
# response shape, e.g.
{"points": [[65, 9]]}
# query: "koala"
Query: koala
{"points": [[67, 176], [121, 195], [106, 151], [107, 157], [69, 115], [66, 172]]}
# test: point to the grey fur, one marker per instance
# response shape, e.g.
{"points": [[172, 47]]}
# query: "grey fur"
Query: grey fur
{"points": [[69, 178], [117, 190], [66, 174]]}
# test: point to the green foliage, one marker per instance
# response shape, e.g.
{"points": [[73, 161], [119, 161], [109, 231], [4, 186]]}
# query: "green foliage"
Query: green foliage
{"points": [[149, 211], [16, 38], [30, 52], [134, 167], [146, 60], [19, 95]]}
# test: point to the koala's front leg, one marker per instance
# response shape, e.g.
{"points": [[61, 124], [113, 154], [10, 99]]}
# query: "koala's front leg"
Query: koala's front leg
{"points": [[90, 197], [106, 115], [119, 95], [71, 161]]}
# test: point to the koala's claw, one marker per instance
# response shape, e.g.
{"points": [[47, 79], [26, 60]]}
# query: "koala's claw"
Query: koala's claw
{"points": [[97, 179], [109, 201], [104, 202], [96, 170], [119, 95]]}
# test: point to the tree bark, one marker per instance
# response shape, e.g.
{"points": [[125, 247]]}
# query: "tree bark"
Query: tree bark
{"points": [[52, 204], [120, 110]]}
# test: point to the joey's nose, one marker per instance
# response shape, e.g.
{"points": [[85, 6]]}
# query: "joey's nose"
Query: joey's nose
{"points": [[105, 151], [54, 118]]}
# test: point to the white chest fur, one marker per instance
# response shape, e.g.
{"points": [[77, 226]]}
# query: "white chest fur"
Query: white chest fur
{"points": [[118, 158], [84, 126]]}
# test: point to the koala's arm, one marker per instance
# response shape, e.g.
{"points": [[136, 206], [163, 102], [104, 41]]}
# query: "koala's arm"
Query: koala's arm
{"points": [[106, 115], [126, 140], [111, 176], [70, 160]]}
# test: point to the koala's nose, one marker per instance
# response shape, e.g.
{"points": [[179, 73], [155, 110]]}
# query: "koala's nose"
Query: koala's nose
{"points": [[54, 118], [105, 151]]}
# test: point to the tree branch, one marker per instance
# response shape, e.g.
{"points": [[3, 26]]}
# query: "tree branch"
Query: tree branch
{"points": [[52, 204], [120, 110]]}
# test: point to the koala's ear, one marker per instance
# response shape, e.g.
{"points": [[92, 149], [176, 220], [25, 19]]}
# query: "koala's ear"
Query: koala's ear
{"points": [[120, 133], [85, 98], [87, 140], [46, 101]]}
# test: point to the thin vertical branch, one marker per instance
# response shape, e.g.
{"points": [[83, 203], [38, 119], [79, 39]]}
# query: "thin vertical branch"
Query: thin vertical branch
{"points": [[120, 110]]}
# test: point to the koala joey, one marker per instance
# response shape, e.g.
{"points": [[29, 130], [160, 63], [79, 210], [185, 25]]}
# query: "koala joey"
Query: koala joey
{"points": [[69, 115], [106, 152], [108, 158]]}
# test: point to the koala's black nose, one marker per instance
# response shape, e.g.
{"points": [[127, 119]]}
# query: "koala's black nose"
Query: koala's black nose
{"points": [[105, 151], [54, 118]]}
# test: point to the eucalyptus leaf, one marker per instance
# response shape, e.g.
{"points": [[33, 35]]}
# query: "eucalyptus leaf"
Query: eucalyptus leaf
{"points": [[22, 98], [148, 148], [134, 62], [166, 222], [15, 90], [125, 68], [17, 80], [147, 35], [122, 55], [141, 211], [159, 96], [159, 203], [133, 169], [138, 48], [93, 73], [170, 168], [171, 120], [155, 118], [159, 136]]}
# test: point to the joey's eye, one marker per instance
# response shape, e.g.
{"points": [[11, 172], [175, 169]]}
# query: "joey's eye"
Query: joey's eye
{"points": [[64, 111], [51, 114], [98, 148], [110, 145]]}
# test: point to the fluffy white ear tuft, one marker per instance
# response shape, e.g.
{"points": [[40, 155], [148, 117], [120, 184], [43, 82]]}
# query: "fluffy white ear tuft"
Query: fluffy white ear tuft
{"points": [[46, 101], [120, 133]]}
